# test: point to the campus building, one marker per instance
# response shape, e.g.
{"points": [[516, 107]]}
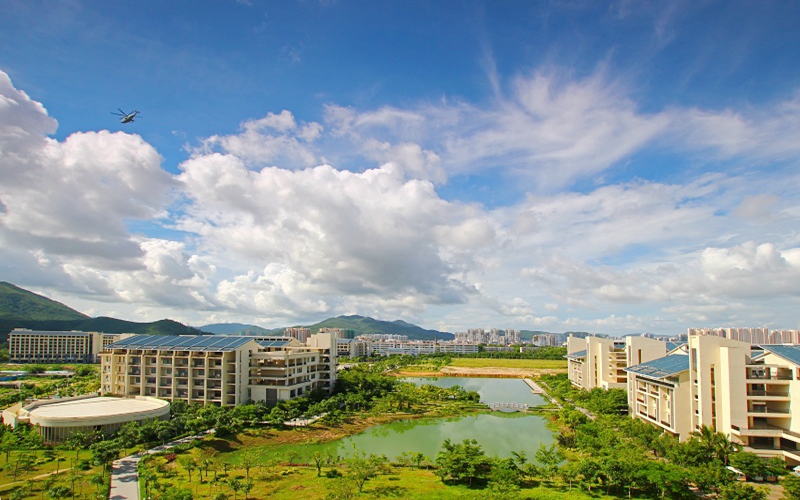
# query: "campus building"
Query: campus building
{"points": [[601, 362], [36, 346], [56, 419], [221, 370], [742, 390]]}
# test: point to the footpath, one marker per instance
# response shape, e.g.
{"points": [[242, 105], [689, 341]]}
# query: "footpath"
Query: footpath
{"points": [[125, 471]]}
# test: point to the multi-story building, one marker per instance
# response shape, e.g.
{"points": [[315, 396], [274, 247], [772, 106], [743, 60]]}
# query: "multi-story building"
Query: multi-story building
{"points": [[756, 336], [352, 348], [601, 362], [339, 333], [222, 370], [36, 346], [301, 334], [659, 393], [739, 389]]}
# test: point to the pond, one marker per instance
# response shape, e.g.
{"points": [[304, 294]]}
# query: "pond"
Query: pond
{"points": [[491, 390], [498, 433]]}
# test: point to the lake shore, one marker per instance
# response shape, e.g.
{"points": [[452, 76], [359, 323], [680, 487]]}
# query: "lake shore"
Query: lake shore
{"points": [[489, 371]]}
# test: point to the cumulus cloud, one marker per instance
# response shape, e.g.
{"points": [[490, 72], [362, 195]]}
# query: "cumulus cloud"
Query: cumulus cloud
{"points": [[269, 231], [330, 232], [271, 140], [73, 198]]}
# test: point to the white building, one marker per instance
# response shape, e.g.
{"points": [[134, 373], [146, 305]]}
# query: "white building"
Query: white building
{"points": [[222, 370], [38, 346]]}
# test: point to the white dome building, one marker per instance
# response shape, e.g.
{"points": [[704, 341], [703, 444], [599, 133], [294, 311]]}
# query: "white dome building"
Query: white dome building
{"points": [[57, 419]]}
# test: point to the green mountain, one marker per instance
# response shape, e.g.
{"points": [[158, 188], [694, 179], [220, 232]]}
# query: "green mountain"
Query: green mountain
{"points": [[20, 308], [364, 325], [18, 303]]}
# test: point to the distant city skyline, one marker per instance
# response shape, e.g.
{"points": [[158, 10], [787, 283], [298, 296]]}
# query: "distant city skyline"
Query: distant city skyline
{"points": [[608, 167]]}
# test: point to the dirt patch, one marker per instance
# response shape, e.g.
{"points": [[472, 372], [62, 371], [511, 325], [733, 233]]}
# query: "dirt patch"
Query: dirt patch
{"points": [[489, 371]]}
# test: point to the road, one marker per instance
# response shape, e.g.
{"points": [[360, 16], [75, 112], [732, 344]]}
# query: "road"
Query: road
{"points": [[125, 471]]}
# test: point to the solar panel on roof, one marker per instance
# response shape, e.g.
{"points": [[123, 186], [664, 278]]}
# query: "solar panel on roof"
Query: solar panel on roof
{"points": [[181, 343], [662, 367], [790, 353]]}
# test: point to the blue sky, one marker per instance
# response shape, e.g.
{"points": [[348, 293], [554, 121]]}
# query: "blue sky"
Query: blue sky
{"points": [[612, 167]]}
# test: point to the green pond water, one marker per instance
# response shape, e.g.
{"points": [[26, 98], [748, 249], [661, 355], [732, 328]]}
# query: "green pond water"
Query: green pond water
{"points": [[498, 433]]}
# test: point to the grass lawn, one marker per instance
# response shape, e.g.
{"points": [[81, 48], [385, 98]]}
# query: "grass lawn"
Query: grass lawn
{"points": [[530, 364], [35, 478], [290, 482]]}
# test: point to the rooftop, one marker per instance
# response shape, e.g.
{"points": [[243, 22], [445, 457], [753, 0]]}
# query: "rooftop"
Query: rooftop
{"points": [[790, 353], [97, 407], [661, 367], [215, 343]]}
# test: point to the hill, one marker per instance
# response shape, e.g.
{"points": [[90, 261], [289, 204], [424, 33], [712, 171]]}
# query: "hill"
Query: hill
{"points": [[20, 308], [364, 325], [18, 303]]}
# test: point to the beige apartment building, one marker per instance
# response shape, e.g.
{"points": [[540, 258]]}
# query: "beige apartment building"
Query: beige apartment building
{"points": [[739, 389], [37, 346], [222, 370], [601, 362]]}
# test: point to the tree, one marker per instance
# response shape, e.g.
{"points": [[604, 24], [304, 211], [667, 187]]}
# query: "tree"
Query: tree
{"points": [[76, 441], [417, 458], [362, 467], [98, 481], [58, 492], [667, 478], [749, 463], [149, 477], [465, 461], [343, 488], [248, 460], [73, 477], [319, 459], [791, 487], [105, 452], [548, 459], [235, 485], [709, 478], [741, 491], [9, 442], [188, 463], [247, 487]]}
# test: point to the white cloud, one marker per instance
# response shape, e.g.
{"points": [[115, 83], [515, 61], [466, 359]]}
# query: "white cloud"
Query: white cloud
{"points": [[281, 244], [273, 139], [331, 233]]}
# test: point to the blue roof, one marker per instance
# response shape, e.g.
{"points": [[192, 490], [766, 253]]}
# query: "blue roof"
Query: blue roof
{"points": [[671, 346], [273, 343], [576, 355], [181, 343], [790, 353], [661, 367]]}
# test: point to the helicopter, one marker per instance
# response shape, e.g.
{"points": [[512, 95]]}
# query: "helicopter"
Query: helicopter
{"points": [[126, 117]]}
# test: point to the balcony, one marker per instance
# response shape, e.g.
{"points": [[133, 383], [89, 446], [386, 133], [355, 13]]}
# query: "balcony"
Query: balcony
{"points": [[769, 412], [769, 395]]}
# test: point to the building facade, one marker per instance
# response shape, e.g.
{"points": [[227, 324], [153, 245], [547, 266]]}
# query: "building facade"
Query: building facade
{"points": [[601, 362], [221, 370], [742, 390], [38, 346]]}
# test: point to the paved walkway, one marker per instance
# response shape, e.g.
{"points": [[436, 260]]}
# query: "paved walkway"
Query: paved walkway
{"points": [[125, 471], [537, 389]]}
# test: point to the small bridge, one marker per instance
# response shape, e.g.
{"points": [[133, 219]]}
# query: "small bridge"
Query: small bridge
{"points": [[508, 406]]}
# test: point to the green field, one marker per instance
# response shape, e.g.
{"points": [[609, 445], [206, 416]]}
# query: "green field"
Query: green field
{"points": [[529, 364], [285, 481]]}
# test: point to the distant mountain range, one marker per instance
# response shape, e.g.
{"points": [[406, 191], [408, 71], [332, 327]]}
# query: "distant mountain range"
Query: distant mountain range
{"points": [[20, 308], [359, 324]]}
